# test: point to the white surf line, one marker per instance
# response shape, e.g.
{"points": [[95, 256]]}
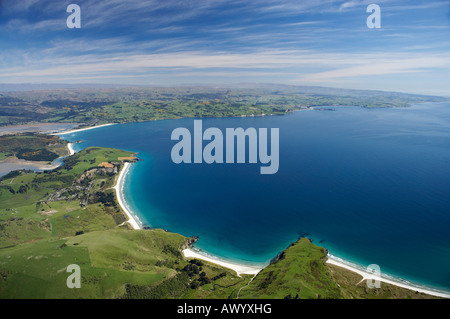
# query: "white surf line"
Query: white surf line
{"points": [[119, 192], [71, 150], [238, 268], [369, 276], [84, 129]]}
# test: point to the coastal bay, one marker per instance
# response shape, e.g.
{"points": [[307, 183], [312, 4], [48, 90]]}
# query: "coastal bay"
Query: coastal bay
{"points": [[249, 287], [293, 153], [32, 150], [212, 237]]}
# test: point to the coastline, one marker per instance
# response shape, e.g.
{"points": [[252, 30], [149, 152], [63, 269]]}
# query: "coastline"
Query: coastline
{"points": [[238, 268], [366, 275], [15, 163], [71, 150], [254, 270], [243, 268], [42, 128], [132, 220], [83, 129]]}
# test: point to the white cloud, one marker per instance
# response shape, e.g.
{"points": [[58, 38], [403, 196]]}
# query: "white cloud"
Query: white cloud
{"points": [[309, 65], [396, 64], [349, 4], [169, 45]]}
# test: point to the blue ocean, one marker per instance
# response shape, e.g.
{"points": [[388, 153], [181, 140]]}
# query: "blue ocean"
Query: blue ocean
{"points": [[370, 185]]}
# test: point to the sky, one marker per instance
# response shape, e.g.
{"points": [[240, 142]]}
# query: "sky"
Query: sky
{"points": [[226, 42]]}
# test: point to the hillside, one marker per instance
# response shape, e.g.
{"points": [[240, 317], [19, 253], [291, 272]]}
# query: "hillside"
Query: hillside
{"points": [[32, 147], [301, 272]]}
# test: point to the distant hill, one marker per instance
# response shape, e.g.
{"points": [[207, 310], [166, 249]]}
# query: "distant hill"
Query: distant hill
{"points": [[100, 103], [321, 90], [32, 147], [11, 87]]}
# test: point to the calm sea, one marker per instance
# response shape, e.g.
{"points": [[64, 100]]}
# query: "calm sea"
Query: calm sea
{"points": [[371, 185]]}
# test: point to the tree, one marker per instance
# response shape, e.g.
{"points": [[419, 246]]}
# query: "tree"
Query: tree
{"points": [[22, 189]]}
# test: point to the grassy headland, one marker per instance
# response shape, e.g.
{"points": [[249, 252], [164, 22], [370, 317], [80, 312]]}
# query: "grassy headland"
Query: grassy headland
{"points": [[32, 147]]}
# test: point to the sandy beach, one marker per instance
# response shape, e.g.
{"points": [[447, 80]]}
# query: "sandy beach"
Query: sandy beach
{"points": [[11, 164], [71, 150], [366, 275], [239, 269], [132, 220], [83, 129], [43, 128], [16, 163]]}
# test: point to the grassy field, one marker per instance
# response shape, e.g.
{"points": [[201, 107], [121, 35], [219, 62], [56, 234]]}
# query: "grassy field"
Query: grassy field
{"points": [[116, 263], [121, 263], [352, 288], [4, 155], [105, 260]]}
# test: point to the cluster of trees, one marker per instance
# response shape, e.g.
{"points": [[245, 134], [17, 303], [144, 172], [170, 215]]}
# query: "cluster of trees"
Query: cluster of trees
{"points": [[106, 199], [203, 280], [198, 277], [194, 267], [13, 174], [12, 191], [171, 250], [22, 189], [56, 177], [190, 276], [36, 155], [267, 280], [69, 163], [32, 146]]}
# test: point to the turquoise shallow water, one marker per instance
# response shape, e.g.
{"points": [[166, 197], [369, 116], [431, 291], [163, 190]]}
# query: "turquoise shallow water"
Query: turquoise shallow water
{"points": [[371, 185]]}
